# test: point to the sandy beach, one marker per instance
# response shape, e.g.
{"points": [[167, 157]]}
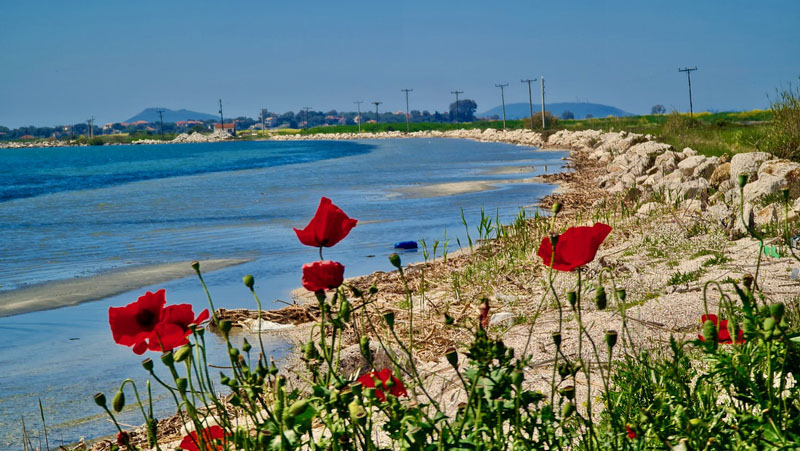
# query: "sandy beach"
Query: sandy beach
{"points": [[64, 293]]}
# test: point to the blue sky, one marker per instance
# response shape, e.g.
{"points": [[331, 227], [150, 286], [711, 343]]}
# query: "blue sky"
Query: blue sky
{"points": [[62, 62]]}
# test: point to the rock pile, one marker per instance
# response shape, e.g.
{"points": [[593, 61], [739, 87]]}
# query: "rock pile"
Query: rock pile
{"points": [[200, 138], [521, 137]]}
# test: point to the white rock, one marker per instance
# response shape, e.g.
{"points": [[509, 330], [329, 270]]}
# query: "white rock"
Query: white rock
{"points": [[500, 318], [688, 165], [747, 163], [252, 325]]}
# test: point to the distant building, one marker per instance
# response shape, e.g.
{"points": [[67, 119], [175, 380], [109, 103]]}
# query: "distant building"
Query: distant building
{"points": [[227, 128], [188, 123]]}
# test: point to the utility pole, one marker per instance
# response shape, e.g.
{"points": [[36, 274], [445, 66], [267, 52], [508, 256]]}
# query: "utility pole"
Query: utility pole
{"points": [[530, 97], [305, 111], [503, 99], [689, 77], [160, 112], [221, 119], [263, 120], [377, 117], [456, 93], [358, 103], [543, 124], [408, 127], [90, 122]]}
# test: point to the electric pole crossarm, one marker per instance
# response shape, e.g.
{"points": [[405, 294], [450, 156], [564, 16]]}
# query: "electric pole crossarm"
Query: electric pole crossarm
{"points": [[530, 97], [689, 79], [456, 93], [503, 99]]}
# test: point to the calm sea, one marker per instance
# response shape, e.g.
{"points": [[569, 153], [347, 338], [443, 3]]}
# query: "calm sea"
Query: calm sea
{"points": [[77, 212]]}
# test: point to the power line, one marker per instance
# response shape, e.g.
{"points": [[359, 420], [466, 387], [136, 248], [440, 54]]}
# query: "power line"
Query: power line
{"points": [[530, 97], [408, 126], [689, 78], [503, 99], [456, 93], [358, 103], [542, 80]]}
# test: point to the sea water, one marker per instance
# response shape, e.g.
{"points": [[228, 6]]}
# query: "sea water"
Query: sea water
{"points": [[82, 211]]}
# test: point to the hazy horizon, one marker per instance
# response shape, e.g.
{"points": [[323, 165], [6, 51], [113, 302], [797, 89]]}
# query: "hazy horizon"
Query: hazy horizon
{"points": [[66, 62]]}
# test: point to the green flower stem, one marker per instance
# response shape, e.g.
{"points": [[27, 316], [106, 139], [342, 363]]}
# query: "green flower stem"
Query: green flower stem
{"points": [[753, 234], [208, 294], [258, 303]]}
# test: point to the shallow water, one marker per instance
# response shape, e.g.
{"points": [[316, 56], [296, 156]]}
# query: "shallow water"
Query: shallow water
{"points": [[76, 212]]}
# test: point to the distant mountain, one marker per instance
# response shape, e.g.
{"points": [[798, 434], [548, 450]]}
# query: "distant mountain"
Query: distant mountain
{"points": [[151, 115], [580, 110]]}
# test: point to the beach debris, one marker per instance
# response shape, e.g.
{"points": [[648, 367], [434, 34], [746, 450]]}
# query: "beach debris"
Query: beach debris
{"points": [[772, 251], [501, 318], [405, 245], [795, 274], [254, 325]]}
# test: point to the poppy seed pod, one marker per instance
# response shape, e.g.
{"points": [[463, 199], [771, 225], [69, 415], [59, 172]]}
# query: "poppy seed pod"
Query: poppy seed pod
{"points": [[553, 241], [357, 413], [196, 265], [182, 383], [568, 392], [225, 326], [356, 388], [572, 298], [246, 346], [600, 298], [118, 402], [452, 357], [167, 358], [249, 281], [557, 338], [394, 259], [611, 338], [567, 409], [622, 294], [389, 318], [371, 393], [556, 207], [742, 180], [147, 364], [100, 400]]}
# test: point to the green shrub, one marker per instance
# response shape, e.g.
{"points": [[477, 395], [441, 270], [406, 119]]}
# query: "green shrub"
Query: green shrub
{"points": [[783, 136]]}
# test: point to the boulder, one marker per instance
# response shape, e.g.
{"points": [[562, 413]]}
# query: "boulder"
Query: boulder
{"points": [[706, 168], [765, 185], [688, 152], [766, 215], [720, 174], [722, 215], [695, 188], [648, 208], [689, 164], [747, 163], [785, 170]]}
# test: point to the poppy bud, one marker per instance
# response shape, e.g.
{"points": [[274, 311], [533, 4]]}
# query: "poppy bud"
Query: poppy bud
{"points": [[742, 180], [363, 345], [182, 383], [225, 326], [611, 338], [563, 370], [184, 352], [344, 310], [233, 353], [452, 356], [394, 259], [567, 409], [785, 193], [516, 378], [246, 347], [100, 400], [147, 364], [747, 280], [710, 331], [777, 310], [167, 358], [768, 324], [695, 422], [568, 392], [298, 408], [235, 401], [622, 294], [249, 281], [118, 402], [600, 299], [556, 208], [557, 339], [572, 298], [389, 318], [373, 289], [224, 380], [356, 292], [448, 320]]}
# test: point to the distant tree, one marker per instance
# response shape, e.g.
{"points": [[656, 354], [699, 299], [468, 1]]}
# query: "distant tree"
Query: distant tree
{"points": [[466, 110], [197, 129], [658, 109], [567, 115], [589, 115]]}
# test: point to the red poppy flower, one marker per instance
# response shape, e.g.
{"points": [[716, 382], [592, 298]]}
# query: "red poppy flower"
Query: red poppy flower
{"points": [[575, 247], [132, 324], [328, 226], [631, 433], [723, 334], [214, 438], [322, 275], [123, 438], [483, 318], [173, 329], [397, 389]]}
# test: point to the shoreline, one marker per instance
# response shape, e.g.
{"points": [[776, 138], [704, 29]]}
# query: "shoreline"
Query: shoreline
{"points": [[63, 293]]}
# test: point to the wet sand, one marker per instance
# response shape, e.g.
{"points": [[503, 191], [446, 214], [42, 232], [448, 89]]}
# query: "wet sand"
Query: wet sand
{"points": [[454, 188], [64, 293]]}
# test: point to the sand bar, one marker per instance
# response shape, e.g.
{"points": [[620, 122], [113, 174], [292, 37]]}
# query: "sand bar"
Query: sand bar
{"points": [[455, 188], [62, 293]]}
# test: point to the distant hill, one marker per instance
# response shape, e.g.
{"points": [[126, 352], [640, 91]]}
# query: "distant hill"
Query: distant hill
{"points": [[580, 110], [151, 115]]}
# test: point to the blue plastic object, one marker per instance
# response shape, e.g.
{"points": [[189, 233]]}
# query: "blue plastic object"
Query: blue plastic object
{"points": [[405, 245]]}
